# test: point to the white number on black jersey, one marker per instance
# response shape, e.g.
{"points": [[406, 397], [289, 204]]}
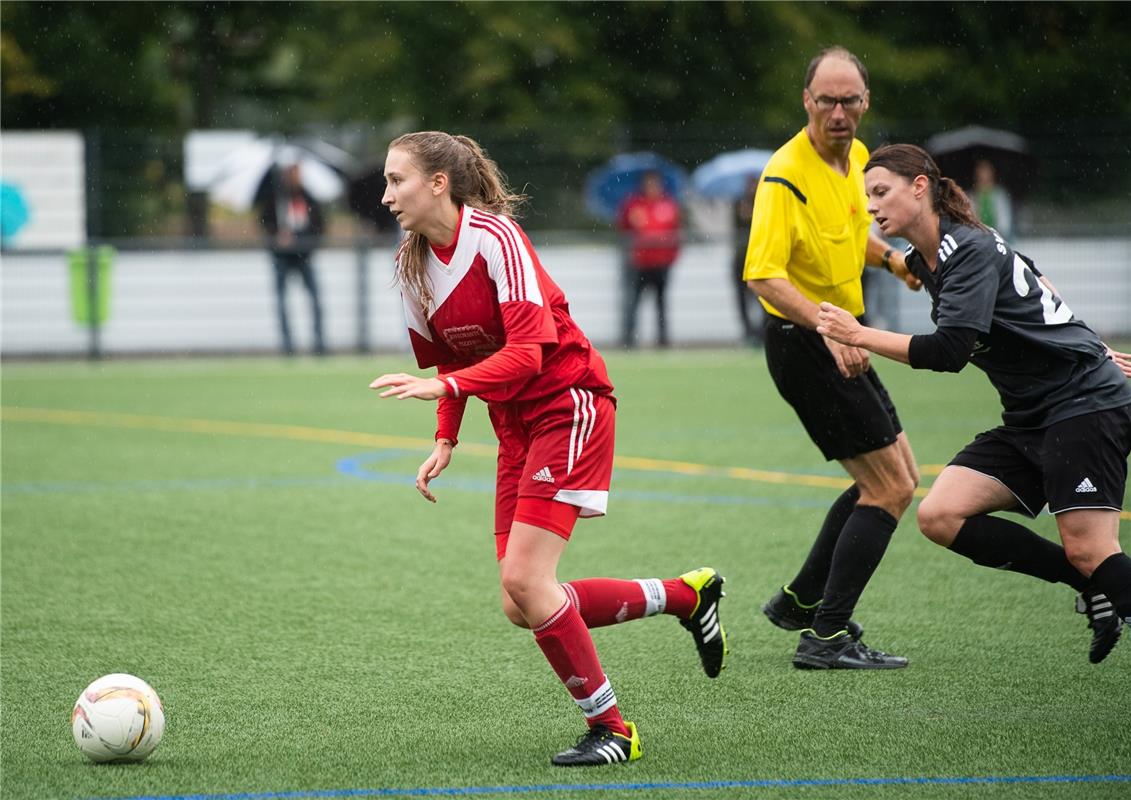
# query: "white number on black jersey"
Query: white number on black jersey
{"points": [[1054, 314]]}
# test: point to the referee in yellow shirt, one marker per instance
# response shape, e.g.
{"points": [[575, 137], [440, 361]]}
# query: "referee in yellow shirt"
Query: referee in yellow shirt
{"points": [[809, 241]]}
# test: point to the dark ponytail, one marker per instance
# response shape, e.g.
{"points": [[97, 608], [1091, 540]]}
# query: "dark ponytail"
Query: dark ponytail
{"points": [[947, 197]]}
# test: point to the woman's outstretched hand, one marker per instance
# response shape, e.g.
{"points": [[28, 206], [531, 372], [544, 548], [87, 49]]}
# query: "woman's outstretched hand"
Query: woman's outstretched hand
{"points": [[402, 386]]}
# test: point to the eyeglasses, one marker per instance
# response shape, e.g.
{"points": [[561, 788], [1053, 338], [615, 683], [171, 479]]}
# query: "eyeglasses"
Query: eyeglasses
{"points": [[850, 103]]}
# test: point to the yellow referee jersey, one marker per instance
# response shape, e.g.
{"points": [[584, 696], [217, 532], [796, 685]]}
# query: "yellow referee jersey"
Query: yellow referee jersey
{"points": [[810, 225]]}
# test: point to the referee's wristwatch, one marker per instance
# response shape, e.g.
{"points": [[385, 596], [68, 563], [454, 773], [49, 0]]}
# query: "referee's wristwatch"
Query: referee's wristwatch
{"points": [[885, 261]]}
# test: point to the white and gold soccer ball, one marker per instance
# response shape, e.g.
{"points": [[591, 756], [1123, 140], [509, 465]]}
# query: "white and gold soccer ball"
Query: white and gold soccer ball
{"points": [[118, 718]]}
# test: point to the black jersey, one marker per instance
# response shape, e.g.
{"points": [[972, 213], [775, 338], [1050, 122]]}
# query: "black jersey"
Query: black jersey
{"points": [[1046, 364]]}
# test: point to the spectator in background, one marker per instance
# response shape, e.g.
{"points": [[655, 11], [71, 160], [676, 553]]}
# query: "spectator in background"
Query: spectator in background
{"points": [[743, 213], [650, 219], [991, 201], [292, 220]]}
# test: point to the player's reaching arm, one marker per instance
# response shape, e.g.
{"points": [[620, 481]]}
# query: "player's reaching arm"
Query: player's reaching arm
{"points": [[948, 349], [838, 325], [514, 362]]}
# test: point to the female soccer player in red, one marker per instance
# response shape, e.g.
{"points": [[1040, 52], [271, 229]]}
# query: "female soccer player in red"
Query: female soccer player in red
{"points": [[481, 309]]}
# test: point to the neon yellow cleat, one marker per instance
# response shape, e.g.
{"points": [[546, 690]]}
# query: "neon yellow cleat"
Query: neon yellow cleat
{"points": [[704, 624], [600, 746]]}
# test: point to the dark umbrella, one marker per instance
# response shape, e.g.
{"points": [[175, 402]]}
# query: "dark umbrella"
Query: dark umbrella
{"points": [[958, 151], [608, 185], [363, 195]]}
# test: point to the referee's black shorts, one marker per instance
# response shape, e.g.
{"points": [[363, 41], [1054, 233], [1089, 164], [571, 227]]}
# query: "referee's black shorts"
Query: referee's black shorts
{"points": [[845, 417]]}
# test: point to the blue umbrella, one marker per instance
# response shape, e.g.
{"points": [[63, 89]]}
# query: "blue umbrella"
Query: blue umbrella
{"points": [[608, 185], [13, 211], [728, 175]]}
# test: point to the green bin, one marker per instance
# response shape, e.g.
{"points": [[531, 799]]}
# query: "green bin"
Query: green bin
{"points": [[81, 295]]}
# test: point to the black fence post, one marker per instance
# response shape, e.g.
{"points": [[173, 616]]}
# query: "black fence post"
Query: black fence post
{"points": [[361, 248], [94, 319]]}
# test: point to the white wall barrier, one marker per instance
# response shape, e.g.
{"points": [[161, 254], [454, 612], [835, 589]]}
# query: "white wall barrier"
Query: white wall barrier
{"points": [[217, 301]]}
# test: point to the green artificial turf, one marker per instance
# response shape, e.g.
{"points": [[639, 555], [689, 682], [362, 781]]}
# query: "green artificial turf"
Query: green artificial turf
{"points": [[244, 535]]}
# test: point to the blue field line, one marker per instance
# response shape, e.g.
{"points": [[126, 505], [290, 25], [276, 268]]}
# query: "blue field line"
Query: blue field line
{"points": [[357, 467], [352, 468], [800, 783]]}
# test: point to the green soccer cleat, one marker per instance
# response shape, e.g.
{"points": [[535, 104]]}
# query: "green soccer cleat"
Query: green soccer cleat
{"points": [[710, 638], [600, 746]]}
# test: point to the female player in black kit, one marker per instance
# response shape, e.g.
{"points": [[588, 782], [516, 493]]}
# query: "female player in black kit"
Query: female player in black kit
{"points": [[1066, 430]]}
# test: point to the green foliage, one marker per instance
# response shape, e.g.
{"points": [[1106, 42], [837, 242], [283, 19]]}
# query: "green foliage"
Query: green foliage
{"points": [[309, 629], [587, 79], [180, 65]]}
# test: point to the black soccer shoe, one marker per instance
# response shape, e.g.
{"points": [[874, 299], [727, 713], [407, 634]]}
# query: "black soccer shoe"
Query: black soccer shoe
{"points": [[601, 746], [786, 611], [704, 624], [841, 651], [1105, 623]]}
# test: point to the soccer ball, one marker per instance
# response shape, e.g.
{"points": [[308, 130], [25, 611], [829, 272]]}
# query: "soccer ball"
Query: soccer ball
{"points": [[118, 718]]}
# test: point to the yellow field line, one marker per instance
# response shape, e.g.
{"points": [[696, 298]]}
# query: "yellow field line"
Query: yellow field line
{"points": [[325, 435]]}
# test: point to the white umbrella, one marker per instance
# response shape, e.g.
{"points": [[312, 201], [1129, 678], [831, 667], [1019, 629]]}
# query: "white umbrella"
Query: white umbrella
{"points": [[242, 172]]}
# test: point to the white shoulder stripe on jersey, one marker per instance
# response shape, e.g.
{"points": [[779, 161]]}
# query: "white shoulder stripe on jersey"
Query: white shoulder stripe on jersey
{"points": [[510, 255], [517, 258]]}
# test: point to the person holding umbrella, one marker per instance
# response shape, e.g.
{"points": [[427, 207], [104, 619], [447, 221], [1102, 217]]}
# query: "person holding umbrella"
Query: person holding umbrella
{"points": [[992, 201], [293, 223], [809, 242], [481, 308], [1066, 418]]}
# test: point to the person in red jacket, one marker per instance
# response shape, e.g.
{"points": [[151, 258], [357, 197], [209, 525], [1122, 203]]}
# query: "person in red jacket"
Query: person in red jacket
{"points": [[481, 309], [650, 219]]}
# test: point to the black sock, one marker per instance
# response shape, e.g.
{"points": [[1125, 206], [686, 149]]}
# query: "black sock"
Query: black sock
{"points": [[859, 551], [809, 585], [1113, 578], [1001, 544]]}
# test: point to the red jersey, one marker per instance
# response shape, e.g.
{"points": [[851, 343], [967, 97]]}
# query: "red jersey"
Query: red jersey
{"points": [[489, 289], [653, 224]]}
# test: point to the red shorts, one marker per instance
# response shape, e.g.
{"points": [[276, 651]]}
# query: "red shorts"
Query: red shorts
{"points": [[553, 452]]}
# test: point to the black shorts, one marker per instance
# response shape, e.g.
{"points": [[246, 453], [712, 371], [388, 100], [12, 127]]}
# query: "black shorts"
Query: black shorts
{"points": [[845, 417], [1080, 462]]}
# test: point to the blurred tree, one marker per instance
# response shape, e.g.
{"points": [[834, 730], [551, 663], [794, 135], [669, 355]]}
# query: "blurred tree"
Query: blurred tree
{"points": [[555, 87]]}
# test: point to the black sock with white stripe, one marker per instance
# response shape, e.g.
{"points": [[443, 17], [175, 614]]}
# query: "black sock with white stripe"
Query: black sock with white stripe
{"points": [[1003, 544], [1113, 578]]}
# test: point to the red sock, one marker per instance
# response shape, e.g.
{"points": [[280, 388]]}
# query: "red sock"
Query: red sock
{"points": [[567, 645], [608, 601]]}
